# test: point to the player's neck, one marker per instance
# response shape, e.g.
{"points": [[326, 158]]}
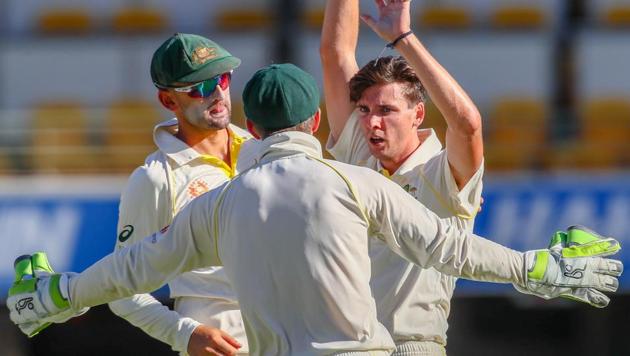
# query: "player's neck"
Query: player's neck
{"points": [[209, 142]]}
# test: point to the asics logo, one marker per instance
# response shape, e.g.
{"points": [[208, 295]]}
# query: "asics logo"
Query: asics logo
{"points": [[23, 304], [576, 273]]}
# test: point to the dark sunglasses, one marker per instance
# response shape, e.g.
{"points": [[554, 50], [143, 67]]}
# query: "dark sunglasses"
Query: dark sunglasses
{"points": [[207, 87]]}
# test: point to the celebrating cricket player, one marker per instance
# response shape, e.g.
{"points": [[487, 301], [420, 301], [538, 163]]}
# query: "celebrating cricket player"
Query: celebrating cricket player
{"points": [[197, 151], [292, 233], [375, 113]]}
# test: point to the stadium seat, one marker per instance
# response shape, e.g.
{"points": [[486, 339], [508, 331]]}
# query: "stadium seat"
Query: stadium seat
{"points": [[238, 114], [445, 17], [60, 141], [617, 16], [233, 19], [72, 21], [433, 119], [139, 20], [313, 19], [518, 120], [518, 17], [580, 155], [606, 120], [516, 132], [128, 133]]}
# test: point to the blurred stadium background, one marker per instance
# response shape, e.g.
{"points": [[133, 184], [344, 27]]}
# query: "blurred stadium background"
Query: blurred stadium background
{"points": [[550, 77]]}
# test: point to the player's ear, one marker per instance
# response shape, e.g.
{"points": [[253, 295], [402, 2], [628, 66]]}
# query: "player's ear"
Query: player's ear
{"points": [[252, 129], [166, 100], [420, 112], [317, 119]]}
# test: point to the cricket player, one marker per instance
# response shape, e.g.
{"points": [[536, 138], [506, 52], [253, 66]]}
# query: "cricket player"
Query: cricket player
{"points": [[375, 113], [292, 234], [197, 151]]}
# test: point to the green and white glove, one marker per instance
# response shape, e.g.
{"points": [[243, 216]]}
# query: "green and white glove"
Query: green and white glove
{"points": [[38, 296], [574, 267]]}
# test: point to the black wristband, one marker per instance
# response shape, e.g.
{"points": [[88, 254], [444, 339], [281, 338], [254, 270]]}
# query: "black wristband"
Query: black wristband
{"points": [[393, 43]]}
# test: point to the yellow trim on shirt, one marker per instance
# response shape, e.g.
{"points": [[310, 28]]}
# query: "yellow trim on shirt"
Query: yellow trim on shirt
{"points": [[437, 194], [236, 142]]}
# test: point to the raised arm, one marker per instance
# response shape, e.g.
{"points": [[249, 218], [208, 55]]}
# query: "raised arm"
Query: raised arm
{"points": [[464, 143], [337, 52]]}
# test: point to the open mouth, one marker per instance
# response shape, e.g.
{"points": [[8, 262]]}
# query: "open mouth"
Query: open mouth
{"points": [[376, 140]]}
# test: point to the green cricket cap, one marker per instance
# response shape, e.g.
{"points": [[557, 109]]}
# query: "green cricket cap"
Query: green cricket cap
{"points": [[187, 58], [280, 96]]}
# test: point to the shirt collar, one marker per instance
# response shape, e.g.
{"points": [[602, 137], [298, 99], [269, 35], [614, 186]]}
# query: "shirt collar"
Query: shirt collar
{"points": [[427, 149], [288, 143], [179, 151]]}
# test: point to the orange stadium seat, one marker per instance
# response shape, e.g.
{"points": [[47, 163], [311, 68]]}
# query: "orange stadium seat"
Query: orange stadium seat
{"points": [[445, 17], [516, 134], [518, 17], [64, 21], [606, 120], [60, 141], [128, 133], [242, 19], [313, 19], [433, 119], [139, 20], [617, 16], [578, 155]]}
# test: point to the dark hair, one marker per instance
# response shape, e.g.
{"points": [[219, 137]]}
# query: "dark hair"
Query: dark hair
{"points": [[386, 70]]}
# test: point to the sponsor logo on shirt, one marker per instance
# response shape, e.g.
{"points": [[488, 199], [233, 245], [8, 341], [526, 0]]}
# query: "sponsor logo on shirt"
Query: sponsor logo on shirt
{"points": [[126, 233], [197, 187]]}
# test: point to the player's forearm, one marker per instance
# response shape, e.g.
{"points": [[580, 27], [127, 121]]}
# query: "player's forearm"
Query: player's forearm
{"points": [[451, 100], [340, 30], [156, 320], [337, 52], [464, 141]]}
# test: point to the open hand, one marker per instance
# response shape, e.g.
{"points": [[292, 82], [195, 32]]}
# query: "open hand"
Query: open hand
{"points": [[393, 19]]}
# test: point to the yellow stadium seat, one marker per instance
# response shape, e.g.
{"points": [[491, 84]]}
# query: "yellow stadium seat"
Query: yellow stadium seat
{"points": [[580, 155], [510, 157], [518, 120], [515, 134], [128, 133], [606, 120], [445, 17], [433, 119], [518, 17], [313, 19], [617, 16], [64, 21], [139, 20], [238, 20], [60, 141], [238, 114]]}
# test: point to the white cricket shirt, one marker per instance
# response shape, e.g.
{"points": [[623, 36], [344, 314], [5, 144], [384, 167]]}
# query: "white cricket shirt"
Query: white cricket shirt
{"points": [[412, 302], [292, 233], [171, 178]]}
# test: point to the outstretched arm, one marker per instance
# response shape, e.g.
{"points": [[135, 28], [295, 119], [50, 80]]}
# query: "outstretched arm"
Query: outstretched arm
{"points": [[337, 52], [464, 142]]}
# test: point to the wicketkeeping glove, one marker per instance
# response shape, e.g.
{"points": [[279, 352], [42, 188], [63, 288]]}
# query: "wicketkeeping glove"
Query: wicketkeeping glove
{"points": [[574, 267], [38, 296]]}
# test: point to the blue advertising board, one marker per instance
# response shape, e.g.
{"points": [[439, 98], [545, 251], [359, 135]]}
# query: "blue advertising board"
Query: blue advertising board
{"points": [[521, 212]]}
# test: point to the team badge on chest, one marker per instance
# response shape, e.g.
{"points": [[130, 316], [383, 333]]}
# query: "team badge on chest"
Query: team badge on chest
{"points": [[197, 187]]}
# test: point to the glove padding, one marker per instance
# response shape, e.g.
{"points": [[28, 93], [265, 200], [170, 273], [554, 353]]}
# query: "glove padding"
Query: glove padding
{"points": [[38, 296], [574, 267]]}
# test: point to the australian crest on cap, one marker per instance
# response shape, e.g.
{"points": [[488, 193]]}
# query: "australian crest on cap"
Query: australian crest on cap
{"points": [[203, 54]]}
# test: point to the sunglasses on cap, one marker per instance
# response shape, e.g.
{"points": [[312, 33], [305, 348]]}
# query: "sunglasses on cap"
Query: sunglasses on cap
{"points": [[207, 87]]}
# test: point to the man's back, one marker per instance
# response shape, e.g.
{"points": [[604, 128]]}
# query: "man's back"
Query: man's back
{"points": [[305, 269]]}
